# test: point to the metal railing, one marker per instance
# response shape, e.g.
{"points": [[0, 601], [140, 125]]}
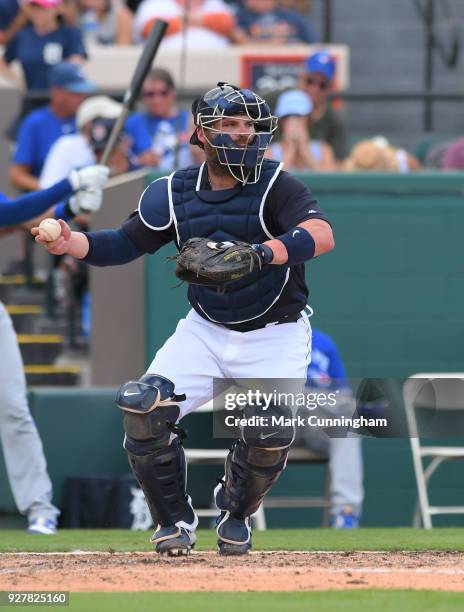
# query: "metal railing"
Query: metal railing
{"points": [[442, 39]]}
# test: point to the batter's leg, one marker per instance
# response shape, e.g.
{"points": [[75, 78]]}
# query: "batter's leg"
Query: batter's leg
{"points": [[22, 448], [346, 476]]}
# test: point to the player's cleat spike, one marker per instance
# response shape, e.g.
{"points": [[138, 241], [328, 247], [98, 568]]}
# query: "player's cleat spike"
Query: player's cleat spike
{"points": [[173, 541], [234, 535]]}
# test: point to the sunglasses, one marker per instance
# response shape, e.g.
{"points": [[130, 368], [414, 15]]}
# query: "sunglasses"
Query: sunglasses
{"points": [[162, 93], [323, 85]]}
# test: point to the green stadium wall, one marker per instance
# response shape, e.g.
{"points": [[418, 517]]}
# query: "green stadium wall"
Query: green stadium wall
{"points": [[391, 295]]}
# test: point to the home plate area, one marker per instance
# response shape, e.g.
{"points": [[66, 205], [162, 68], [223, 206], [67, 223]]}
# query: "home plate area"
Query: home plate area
{"points": [[208, 571]]}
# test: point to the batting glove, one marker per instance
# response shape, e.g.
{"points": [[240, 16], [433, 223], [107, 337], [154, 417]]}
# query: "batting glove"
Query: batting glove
{"points": [[86, 201], [93, 177]]}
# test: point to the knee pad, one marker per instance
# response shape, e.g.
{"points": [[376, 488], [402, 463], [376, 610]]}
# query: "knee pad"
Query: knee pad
{"points": [[150, 413], [277, 434], [144, 395]]}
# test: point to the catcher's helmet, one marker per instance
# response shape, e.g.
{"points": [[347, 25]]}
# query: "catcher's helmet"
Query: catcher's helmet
{"points": [[243, 161]]}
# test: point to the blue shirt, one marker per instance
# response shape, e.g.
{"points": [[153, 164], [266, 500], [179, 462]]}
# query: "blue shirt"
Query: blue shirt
{"points": [[8, 11], [149, 132], [326, 369], [262, 25], [38, 53], [37, 133]]}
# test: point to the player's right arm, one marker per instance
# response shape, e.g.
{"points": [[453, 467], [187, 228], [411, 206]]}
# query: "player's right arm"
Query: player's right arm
{"points": [[145, 231]]}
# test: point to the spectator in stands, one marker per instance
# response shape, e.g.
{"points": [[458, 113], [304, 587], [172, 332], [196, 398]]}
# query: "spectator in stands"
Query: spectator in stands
{"points": [[328, 125], [327, 373], [41, 128], [107, 22], [8, 11], [264, 22], [94, 120], [41, 45], [454, 156], [296, 148], [12, 19], [160, 134], [203, 24], [38, 46], [377, 154]]}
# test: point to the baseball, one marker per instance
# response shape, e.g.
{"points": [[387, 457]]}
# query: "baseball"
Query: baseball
{"points": [[49, 230]]}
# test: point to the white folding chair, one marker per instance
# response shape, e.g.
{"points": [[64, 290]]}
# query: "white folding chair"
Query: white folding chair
{"points": [[438, 391]]}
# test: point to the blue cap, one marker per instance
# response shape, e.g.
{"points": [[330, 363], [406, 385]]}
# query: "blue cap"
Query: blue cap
{"points": [[321, 62], [69, 76], [293, 102]]}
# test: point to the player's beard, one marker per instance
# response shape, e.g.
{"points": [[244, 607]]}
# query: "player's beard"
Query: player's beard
{"points": [[214, 165]]}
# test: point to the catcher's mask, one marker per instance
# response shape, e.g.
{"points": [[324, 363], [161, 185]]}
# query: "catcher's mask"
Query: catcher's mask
{"points": [[243, 161]]}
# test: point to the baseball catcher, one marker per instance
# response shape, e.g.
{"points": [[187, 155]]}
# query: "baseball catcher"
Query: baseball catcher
{"points": [[244, 229]]}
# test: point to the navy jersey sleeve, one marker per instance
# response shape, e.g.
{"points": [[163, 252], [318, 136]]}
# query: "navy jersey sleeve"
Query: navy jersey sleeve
{"points": [[146, 239], [289, 203], [110, 248], [151, 226]]}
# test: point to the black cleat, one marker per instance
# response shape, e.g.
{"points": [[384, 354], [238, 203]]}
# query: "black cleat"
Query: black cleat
{"points": [[173, 541], [234, 535]]}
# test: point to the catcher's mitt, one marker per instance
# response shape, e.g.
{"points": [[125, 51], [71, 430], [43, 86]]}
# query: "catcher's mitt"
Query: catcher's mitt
{"points": [[202, 261]]}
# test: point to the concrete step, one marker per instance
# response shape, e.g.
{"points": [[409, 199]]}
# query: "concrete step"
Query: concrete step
{"points": [[51, 375], [40, 348], [24, 316], [12, 285]]}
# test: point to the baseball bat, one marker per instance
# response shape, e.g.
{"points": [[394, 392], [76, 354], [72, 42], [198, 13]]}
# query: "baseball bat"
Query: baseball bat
{"points": [[132, 93]]}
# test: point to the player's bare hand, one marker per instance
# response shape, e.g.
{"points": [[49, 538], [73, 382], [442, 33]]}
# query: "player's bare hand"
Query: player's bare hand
{"points": [[58, 246]]}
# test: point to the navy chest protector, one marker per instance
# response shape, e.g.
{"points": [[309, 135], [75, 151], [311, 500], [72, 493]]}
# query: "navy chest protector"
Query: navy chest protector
{"points": [[237, 216]]}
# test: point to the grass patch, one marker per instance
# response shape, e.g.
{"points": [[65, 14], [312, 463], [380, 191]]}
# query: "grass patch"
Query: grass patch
{"points": [[322, 601], [444, 539]]}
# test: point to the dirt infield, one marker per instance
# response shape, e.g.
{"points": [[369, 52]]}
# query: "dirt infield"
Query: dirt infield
{"points": [[207, 571]]}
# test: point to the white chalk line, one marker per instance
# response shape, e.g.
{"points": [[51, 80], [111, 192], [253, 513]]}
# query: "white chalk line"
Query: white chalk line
{"points": [[251, 553]]}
